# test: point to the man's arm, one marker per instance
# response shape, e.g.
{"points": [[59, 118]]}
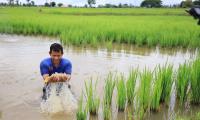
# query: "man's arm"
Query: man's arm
{"points": [[44, 71], [67, 72], [46, 78]]}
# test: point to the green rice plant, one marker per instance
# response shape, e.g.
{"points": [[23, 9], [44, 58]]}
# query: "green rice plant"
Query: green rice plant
{"points": [[157, 89], [195, 82], [130, 85], [75, 27], [130, 112], [182, 82], [81, 113], [92, 100], [121, 93], [139, 110], [144, 92], [106, 110], [197, 116], [167, 82], [108, 88]]}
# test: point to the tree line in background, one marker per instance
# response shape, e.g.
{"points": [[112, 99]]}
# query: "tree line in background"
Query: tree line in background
{"points": [[91, 3]]}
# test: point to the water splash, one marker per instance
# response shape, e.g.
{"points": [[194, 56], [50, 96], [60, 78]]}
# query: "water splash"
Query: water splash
{"points": [[59, 99]]}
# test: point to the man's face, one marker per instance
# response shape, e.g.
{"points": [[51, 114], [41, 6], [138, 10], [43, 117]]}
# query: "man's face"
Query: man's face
{"points": [[56, 56]]}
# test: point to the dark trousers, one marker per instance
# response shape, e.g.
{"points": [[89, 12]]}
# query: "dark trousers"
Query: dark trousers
{"points": [[47, 90]]}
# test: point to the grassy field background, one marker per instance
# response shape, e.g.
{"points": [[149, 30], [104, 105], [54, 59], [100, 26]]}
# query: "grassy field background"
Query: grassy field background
{"points": [[93, 26]]}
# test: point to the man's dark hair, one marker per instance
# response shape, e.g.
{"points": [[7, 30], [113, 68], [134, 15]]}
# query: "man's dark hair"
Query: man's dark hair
{"points": [[56, 47]]}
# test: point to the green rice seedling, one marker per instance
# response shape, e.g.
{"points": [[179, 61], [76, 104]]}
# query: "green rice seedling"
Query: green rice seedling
{"points": [[109, 45], [92, 100], [106, 110], [130, 85], [195, 82], [108, 88], [130, 111], [139, 111], [121, 93], [81, 113], [167, 82], [182, 82], [157, 89], [145, 89]]}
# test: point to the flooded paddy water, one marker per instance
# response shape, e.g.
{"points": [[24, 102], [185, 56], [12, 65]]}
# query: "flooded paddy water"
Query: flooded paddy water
{"points": [[21, 83]]}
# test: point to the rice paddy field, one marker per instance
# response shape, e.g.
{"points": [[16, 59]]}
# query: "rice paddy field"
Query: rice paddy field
{"points": [[96, 26], [128, 63], [126, 82]]}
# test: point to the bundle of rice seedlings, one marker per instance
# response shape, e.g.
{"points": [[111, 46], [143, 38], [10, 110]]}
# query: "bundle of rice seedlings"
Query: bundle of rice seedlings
{"points": [[182, 82], [167, 82], [92, 100], [143, 94], [130, 85], [108, 88], [81, 113], [157, 89], [121, 93], [195, 82]]}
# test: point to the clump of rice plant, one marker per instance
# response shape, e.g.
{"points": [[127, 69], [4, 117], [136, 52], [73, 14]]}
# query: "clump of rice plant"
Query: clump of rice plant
{"points": [[108, 93], [108, 88], [143, 94], [106, 110], [139, 111], [81, 113], [195, 82], [92, 100], [121, 93], [157, 89], [182, 82], [145, 88], [130, 85], [167, 82], [130, 112], [162, 86]]}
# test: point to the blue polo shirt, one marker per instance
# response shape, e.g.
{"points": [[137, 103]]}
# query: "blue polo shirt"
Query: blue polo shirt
{"points": [[47, 67]]}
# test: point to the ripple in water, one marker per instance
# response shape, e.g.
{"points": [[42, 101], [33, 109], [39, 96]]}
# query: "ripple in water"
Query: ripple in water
{"points": [[59, 99]]}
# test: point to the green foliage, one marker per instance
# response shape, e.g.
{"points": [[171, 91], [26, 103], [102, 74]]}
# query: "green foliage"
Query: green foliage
{"points": [[195, 81], [151, 3], [81, 113], [167, 82], [144, 93], [108, 89], [182, 82], [157, 89], [186, 3], [130, 85], [121, 93], [90, 2], [92, 100], [103, 26], [106, 110]]}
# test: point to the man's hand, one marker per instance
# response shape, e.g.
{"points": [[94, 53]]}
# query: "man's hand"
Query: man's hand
{"points": [[65, 77], [57, 77]]}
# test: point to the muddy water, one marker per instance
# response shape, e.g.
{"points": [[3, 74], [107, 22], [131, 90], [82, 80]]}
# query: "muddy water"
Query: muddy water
{"points": [[21, 83]]}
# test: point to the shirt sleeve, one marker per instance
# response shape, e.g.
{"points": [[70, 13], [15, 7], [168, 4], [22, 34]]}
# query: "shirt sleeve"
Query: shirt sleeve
{"points": [[43, 68], [68, 68]]}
